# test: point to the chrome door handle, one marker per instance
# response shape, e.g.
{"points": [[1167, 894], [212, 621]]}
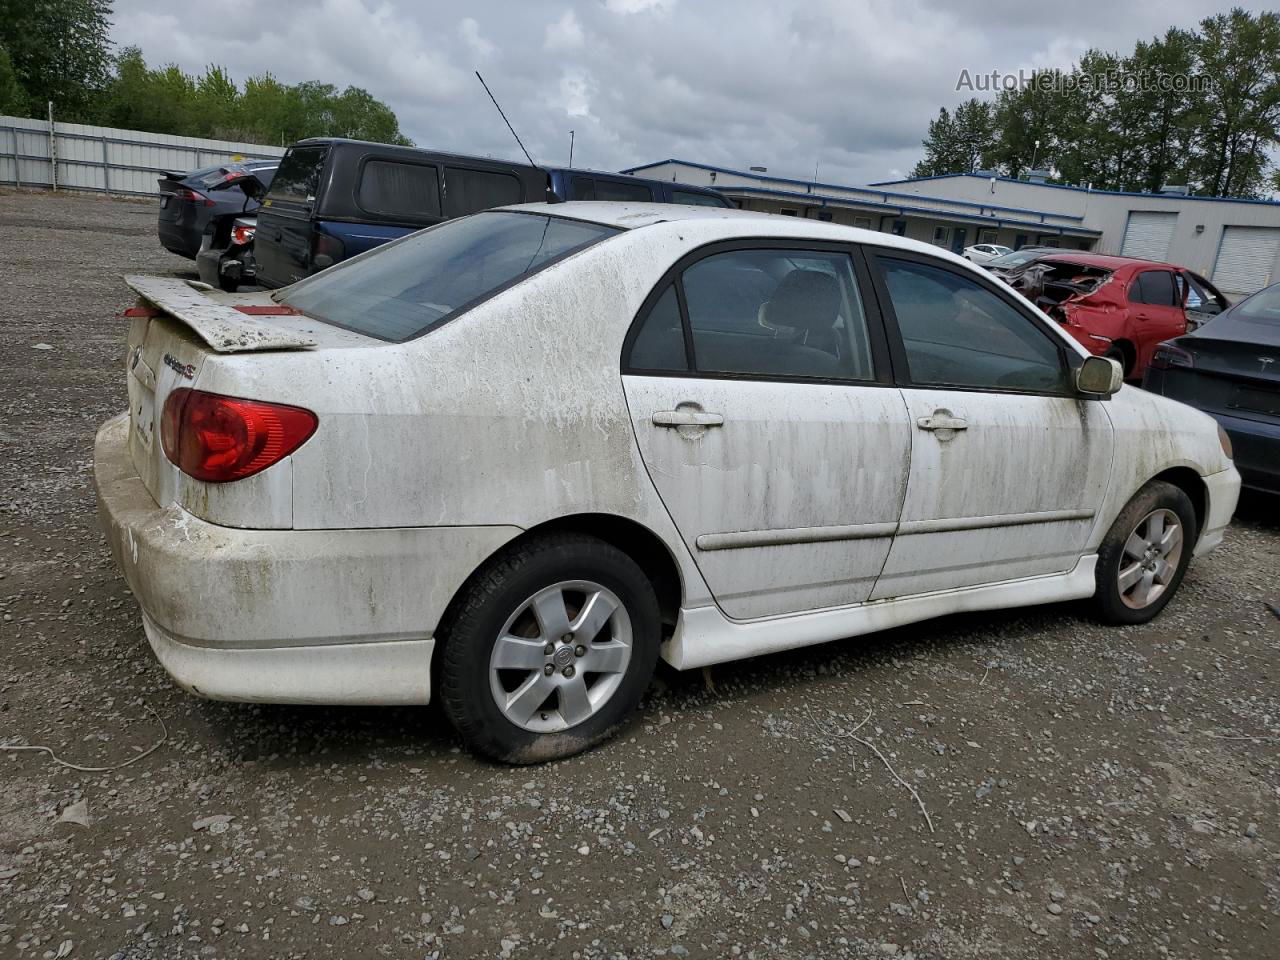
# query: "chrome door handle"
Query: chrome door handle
{"points": [[686, 418], [943, 423]]}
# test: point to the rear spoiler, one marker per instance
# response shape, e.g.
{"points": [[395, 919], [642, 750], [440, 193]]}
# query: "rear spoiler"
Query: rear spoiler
{"points": [[225, 328]]}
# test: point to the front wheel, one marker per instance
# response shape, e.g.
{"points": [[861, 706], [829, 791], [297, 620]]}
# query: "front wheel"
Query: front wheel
{"points": [[1144, 555], [548, 649]]}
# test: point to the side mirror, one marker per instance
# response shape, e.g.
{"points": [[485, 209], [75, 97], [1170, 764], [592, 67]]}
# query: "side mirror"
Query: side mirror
{"points": [[1099, 376]]}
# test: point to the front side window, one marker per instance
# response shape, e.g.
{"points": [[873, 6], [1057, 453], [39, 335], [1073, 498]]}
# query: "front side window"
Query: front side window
{"points": [[768, 313], [417, 283], [958, 333], [402, 191]]}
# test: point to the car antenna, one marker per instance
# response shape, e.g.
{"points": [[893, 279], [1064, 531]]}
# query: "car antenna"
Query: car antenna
{"points": [[504, 118]]}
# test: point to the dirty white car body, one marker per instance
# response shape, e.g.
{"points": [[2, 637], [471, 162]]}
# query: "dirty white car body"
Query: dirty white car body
{"points": [[787, 513]]}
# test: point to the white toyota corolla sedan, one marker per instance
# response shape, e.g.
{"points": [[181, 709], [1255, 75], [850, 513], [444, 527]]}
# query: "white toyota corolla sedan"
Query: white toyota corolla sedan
{"points": [[512, 459]]}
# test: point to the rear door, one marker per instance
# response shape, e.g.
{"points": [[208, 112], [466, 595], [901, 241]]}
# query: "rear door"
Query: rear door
{"points": [[1008, 465], [1155, 305], [285, 234], [758, 385]]}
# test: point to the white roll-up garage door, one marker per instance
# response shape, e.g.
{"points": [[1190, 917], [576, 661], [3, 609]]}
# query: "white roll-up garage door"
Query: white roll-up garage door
{"points": [[1245, 259], [1147, 234]]}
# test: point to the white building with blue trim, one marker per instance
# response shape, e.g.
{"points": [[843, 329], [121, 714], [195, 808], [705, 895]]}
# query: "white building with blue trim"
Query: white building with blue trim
{"points": [[1236, 243]]}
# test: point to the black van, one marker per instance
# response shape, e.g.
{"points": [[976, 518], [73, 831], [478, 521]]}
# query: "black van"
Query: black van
{"points": [[332, 199]]}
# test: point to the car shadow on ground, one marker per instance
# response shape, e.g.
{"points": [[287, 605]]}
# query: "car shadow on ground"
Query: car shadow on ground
{"points": [[1259, 510], [309, 737]]}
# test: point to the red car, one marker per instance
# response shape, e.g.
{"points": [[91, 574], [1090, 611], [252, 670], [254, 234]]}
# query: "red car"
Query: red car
{"points": [[1117, 306]]}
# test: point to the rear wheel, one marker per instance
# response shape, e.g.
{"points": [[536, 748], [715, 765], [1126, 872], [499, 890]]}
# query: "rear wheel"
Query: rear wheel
{"points": [[548, 649], [1144, 555]]}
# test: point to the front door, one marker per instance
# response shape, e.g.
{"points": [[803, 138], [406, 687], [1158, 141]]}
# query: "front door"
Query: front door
{"points": [[1008, 466], [759, 394], [958, 237]]}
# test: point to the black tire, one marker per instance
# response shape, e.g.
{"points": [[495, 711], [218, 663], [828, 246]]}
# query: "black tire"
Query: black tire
{"points": [[1120, 357], [1108, 603], [471, 627], [228, 284]]}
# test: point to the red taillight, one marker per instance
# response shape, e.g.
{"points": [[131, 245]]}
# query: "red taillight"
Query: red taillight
{"points": [[242, 235], [219, 439], [1167, 355], [327, 250], [193, 196]]}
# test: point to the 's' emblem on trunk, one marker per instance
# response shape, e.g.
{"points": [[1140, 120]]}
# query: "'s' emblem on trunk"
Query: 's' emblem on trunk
{"points": [[187, 370]]}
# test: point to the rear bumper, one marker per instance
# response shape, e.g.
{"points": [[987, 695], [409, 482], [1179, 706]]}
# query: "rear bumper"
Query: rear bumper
{"points": [[1223, 493], [286, 616], [184, 241], [1257, 450]]}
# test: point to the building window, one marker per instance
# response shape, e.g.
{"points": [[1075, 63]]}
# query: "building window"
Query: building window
{"points": [[987, 236], [863, 223], [789, 212], [941, 236], [899, 228], [824, 215]]}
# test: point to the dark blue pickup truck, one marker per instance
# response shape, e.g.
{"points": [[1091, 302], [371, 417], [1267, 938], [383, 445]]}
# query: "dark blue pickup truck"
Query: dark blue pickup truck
{"points": [[332, 199]]}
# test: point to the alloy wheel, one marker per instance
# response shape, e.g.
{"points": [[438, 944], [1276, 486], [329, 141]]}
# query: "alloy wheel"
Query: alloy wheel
{"points": [[560, 656], [1150, 558]]}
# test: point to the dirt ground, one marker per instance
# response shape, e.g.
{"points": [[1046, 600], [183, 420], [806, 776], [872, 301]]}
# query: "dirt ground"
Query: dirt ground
{"points": [[1089, 792]]}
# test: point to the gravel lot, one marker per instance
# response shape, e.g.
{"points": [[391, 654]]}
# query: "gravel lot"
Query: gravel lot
{"points": [[1092, 792]]}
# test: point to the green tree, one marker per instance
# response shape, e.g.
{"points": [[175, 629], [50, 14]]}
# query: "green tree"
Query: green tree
{"points": [[167, 100], [60, 52], [1240, 118], [1021, 117], [957, 142], [939, 147], [13, 99]]}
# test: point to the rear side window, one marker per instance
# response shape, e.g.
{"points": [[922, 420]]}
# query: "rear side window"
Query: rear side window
{"points": [[659, 344], [791, 313], [417, 283], [1154, 287], [699, 199], [298, 176], [405, 191], [470, 191]]}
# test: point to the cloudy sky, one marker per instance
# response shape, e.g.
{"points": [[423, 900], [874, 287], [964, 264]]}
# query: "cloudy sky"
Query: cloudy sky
{"points": [[849, 86]]}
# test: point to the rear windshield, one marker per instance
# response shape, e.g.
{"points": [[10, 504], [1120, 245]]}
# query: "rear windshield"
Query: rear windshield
{"points": [[1262, 307], [298, 176], [212, 176], [415, 284]]}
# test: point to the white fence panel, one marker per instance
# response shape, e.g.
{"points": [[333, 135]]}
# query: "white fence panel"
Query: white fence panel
{"points": [[107, 159]]}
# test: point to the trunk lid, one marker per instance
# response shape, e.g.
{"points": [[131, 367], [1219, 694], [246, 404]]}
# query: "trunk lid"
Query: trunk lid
{"points": [[174, 329]]}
